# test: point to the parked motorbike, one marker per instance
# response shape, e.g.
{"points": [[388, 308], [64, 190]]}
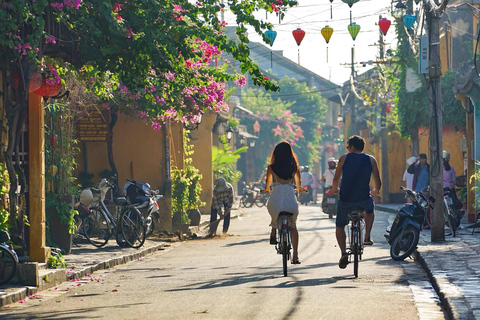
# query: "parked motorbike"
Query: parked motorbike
{"points": [[145, 199], [453, 216], [329, 204], [404, 233]]}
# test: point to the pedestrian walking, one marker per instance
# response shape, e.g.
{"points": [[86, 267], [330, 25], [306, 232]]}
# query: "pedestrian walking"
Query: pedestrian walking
{"points": [[408, 177], [284, 172], [222, 197], [356, 169]]}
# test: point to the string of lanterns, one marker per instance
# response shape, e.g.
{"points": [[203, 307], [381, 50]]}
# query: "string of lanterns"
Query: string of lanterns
{"points": [[353, 28]]}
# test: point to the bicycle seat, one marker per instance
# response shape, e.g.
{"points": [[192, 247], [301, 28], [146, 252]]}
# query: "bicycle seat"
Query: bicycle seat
{"points": [[120, 201], [95, 190], [285, 213], [354, 216]]}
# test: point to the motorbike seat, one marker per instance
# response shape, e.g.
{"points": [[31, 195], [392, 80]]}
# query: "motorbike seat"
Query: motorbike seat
{"points": [[120, 201]]}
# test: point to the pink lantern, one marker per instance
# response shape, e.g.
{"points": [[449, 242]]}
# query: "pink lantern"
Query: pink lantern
{"points": [[384, 25]]}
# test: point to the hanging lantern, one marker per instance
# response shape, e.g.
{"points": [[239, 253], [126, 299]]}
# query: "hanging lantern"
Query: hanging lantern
{"points": [[350, 2], [35, 80], [327, 34], [384, 25], [298, 34], [48, 90], [271, 35], [256, 126], [409, 20], [388, 108], [53, 140], [353, 29]]}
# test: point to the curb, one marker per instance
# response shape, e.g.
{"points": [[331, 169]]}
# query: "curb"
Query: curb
{"points": [[15, 295], [385, 208]]}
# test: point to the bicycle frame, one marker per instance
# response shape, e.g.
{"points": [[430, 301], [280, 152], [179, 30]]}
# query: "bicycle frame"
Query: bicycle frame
{"points": [[355, 238]]}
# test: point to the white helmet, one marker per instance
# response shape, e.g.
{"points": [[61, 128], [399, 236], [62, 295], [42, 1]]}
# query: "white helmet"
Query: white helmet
{"points": [[445, 154], [331, 159]]}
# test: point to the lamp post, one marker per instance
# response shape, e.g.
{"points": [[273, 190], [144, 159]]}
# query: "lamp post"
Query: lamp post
{"points": [[229, 134]]}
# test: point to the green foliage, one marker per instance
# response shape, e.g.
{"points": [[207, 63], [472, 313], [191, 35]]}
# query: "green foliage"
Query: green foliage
{"points": [[411, 107], [224, 160], [186, 187], [56, 260], [453, 111], [475, 178], [60, 162], [4, 182]]}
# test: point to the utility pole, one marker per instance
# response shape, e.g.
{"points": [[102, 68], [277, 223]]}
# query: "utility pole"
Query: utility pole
{"points": [[433, 12], [383, 137], [353, 116]]}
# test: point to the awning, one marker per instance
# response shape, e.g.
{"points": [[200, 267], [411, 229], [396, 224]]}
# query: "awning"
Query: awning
{"points": [[247, 135]]}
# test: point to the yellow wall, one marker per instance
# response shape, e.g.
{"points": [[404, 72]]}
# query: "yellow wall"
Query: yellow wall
{"points": [[138, 153]]}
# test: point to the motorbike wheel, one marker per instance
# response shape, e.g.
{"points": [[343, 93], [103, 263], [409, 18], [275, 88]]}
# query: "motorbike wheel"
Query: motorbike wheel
{"points": [[150, 226], [261, 201], [451, 224], [249, 202], [404, 244]]}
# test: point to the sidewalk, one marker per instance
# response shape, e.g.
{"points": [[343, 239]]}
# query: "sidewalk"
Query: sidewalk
{"points": [[83, 261], [452, 267]]}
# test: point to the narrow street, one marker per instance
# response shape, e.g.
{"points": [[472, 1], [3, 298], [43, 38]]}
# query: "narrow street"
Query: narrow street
{"points": [[240, 277]]}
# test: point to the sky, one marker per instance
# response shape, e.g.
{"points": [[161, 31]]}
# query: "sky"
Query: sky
{"points": [[311, 16]]}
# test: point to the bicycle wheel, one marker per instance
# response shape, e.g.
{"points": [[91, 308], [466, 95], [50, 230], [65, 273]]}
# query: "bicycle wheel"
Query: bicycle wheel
{"points": [[8, 265], [285, 256], [133, 227], [242, 201], [261, 200], [356, 250], [96, 228]]}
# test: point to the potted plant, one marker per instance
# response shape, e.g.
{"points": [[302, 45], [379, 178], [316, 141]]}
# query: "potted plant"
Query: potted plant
{"points": [[60, 183]]}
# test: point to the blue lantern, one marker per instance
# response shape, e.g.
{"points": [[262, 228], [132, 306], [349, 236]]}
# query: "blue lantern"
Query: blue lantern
{"points": [[409, 20], [271, 35]]}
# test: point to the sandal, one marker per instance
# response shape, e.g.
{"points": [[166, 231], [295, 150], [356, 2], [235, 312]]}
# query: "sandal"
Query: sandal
{"points": [[296, 261], [273, 240]]}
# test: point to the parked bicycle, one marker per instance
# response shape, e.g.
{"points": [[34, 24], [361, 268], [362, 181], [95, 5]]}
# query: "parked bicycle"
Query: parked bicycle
{"points": [[8, 259], [355, 216], [99, 224], [284, 245], [252, 195]]}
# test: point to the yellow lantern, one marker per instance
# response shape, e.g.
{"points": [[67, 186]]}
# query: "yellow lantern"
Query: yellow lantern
{"points": [[327, 34]]}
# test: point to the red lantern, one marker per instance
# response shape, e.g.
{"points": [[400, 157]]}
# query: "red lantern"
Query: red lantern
{"points": [[298, 34], [256, 126], [387, 108], [53, 140], [48, 90], [384, 25], [35, 80]]}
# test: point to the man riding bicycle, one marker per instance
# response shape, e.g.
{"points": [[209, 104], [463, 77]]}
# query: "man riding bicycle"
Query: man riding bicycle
{"points": [[355, 168]]}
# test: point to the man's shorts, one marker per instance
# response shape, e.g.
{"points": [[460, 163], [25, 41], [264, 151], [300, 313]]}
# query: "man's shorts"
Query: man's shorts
{"points": [[343, 207]]}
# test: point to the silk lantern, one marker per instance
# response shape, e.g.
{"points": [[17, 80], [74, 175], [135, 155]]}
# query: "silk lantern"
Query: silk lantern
{"points": [[409, 20], [327, 34], [384, 25], [353, 29], [298, 34], [271, 35]]}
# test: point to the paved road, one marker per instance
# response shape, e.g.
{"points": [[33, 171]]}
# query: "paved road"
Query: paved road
{"points": [[240, 277]]}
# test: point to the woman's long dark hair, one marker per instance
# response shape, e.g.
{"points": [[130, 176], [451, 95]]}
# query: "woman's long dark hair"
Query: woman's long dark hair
{"points": [[283, 161]]}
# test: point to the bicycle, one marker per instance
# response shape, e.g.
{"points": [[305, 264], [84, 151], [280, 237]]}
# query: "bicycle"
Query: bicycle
{"points": [[99, 224], [284, 245], [8, 259], [355, 237]]}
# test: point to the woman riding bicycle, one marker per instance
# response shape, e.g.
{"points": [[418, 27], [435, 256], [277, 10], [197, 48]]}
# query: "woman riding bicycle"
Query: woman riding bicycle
{"points": [[283, 170]]}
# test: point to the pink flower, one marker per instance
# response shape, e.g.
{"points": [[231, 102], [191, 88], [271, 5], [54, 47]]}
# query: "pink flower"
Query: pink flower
{"points": [[170, 76], [51, 40], [266, 78], [240, 81], [91, 80], [118, 17], [117, 7], [177, 8]]}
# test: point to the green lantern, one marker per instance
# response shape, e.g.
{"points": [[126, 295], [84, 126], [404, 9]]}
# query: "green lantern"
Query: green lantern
{"points": [[350, 2], [353, 29]]}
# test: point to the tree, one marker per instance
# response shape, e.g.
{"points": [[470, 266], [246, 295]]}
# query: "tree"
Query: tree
{"points": [[306, 103], [154, 52]]}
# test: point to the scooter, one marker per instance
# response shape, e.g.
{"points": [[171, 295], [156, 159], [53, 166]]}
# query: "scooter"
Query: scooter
{"points": [[329, 205], [141, 194], [404, 233], [306, 196]]}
